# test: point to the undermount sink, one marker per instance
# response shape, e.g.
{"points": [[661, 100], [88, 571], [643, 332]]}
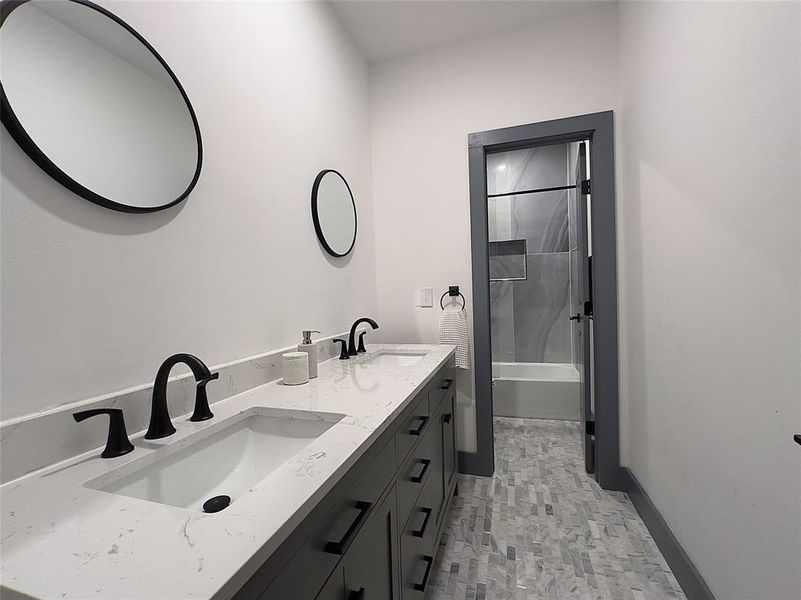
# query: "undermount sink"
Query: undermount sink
{"points": [[396, 358], [228, 462]]}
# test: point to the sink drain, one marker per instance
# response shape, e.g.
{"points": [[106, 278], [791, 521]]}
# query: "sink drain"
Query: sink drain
{"points": [[216, 504]]}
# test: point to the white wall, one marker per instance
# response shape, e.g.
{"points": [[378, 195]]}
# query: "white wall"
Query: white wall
{"points": [[423, 109], [708, 213], [94, 300]]}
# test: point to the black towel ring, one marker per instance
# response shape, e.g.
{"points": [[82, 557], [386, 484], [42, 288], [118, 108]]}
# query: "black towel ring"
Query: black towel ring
{"points": [[453, 291]]}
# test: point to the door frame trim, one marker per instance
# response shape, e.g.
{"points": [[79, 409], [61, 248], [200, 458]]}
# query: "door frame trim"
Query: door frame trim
{"points": [[599, 129]]}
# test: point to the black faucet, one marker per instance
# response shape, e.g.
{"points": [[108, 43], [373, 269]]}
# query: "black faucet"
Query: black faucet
{"points": [[352, 338], [117, 442], [160, 423]]}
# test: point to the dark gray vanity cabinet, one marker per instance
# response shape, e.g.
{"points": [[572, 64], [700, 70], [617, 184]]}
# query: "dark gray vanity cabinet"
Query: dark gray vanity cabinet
{"points": [[420, 535], [375, 534], [371, 564]]}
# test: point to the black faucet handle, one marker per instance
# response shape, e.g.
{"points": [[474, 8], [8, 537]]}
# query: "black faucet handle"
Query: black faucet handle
{"points": [[361, 342], [343, 354], [202, 411], [117, 443]]}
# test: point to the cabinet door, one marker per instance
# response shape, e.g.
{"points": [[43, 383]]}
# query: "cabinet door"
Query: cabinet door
{"points": [[417, 560], [372, 562], [449, 457], [444, 467]]}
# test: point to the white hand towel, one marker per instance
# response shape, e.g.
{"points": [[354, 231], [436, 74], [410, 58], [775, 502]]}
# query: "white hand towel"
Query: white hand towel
{"points": [[453, 330]]}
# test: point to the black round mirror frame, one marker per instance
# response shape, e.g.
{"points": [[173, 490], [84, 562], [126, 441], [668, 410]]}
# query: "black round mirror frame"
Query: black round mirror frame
{"points": [[30, 148], [316, 217]]}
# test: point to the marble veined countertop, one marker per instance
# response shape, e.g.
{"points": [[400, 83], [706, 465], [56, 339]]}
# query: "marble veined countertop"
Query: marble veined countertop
{"points": [[61, 539]]}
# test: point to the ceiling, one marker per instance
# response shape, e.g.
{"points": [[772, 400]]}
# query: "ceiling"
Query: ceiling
{"points": [[385, 29]]}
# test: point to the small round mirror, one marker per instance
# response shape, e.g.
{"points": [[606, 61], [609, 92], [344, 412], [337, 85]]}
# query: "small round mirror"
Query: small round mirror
{"points": [[95, 106], [334, 213]]}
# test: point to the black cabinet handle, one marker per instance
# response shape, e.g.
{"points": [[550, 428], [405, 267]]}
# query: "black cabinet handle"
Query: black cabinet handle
{"points": [[339, 547], [446, 418], [797, 438], [421, 532], [419, 478], [421, 587], [356, 594], [420, 427], [446, 385]]}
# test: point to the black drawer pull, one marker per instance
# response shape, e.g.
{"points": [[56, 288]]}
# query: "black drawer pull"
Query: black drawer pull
{"points": [[421, 532], [421, 587], [339, 547], [446, 385], [446, 418], [420, 427], [356, 594], [419, 478]]}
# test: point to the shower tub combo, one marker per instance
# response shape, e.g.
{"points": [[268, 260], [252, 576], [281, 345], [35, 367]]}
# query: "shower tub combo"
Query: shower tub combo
{"points": [[536, 390]]}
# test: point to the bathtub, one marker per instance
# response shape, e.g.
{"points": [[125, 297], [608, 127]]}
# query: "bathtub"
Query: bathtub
{"points": [[536, 390]]}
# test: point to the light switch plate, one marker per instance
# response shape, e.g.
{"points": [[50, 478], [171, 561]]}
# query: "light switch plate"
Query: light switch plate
{"points": [[425, 297]]}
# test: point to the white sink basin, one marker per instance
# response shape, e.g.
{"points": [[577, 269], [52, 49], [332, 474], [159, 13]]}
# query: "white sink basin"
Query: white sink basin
{"points": [[229, 461], [396, 358]]}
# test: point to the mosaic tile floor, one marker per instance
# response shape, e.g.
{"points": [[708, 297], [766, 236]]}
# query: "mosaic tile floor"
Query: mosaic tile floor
{"points": [[542, 528]]}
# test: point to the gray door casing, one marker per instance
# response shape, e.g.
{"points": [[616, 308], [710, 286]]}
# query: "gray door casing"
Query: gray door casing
{"points": [[598, 128]]}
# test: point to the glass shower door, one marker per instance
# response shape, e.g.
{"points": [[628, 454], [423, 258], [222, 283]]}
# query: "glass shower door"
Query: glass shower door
{"points": [[582, 306]]}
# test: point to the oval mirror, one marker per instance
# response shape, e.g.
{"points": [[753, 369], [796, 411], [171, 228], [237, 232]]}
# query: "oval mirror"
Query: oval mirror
{"points": [[334, 213], [95, 106]]}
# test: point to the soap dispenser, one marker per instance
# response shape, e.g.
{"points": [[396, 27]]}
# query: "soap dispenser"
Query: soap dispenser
{"points": [[310, 348]]}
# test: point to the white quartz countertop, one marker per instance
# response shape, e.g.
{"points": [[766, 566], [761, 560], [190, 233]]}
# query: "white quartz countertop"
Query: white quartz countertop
{"points": [[61, 539]]}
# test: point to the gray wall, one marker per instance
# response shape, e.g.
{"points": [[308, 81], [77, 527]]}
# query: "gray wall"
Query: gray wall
{"points": [[530, 318]]}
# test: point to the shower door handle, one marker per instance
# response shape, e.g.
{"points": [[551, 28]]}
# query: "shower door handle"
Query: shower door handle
{"points": [[576, 317]]}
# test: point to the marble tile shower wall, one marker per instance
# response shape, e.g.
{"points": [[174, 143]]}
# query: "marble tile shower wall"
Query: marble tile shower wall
{"points": [[530, 318]]}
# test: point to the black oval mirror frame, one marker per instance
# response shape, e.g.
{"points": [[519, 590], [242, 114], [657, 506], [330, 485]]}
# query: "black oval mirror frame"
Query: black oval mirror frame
{"points": [[316, 216], [29, 146]]}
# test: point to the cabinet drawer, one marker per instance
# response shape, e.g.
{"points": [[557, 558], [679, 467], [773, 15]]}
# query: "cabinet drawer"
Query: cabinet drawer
{"points": [[417, 565], [413, 475], [441, 389], [417, 542], [413, 426], [353, 510], [307, 571], [421, 524]]}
